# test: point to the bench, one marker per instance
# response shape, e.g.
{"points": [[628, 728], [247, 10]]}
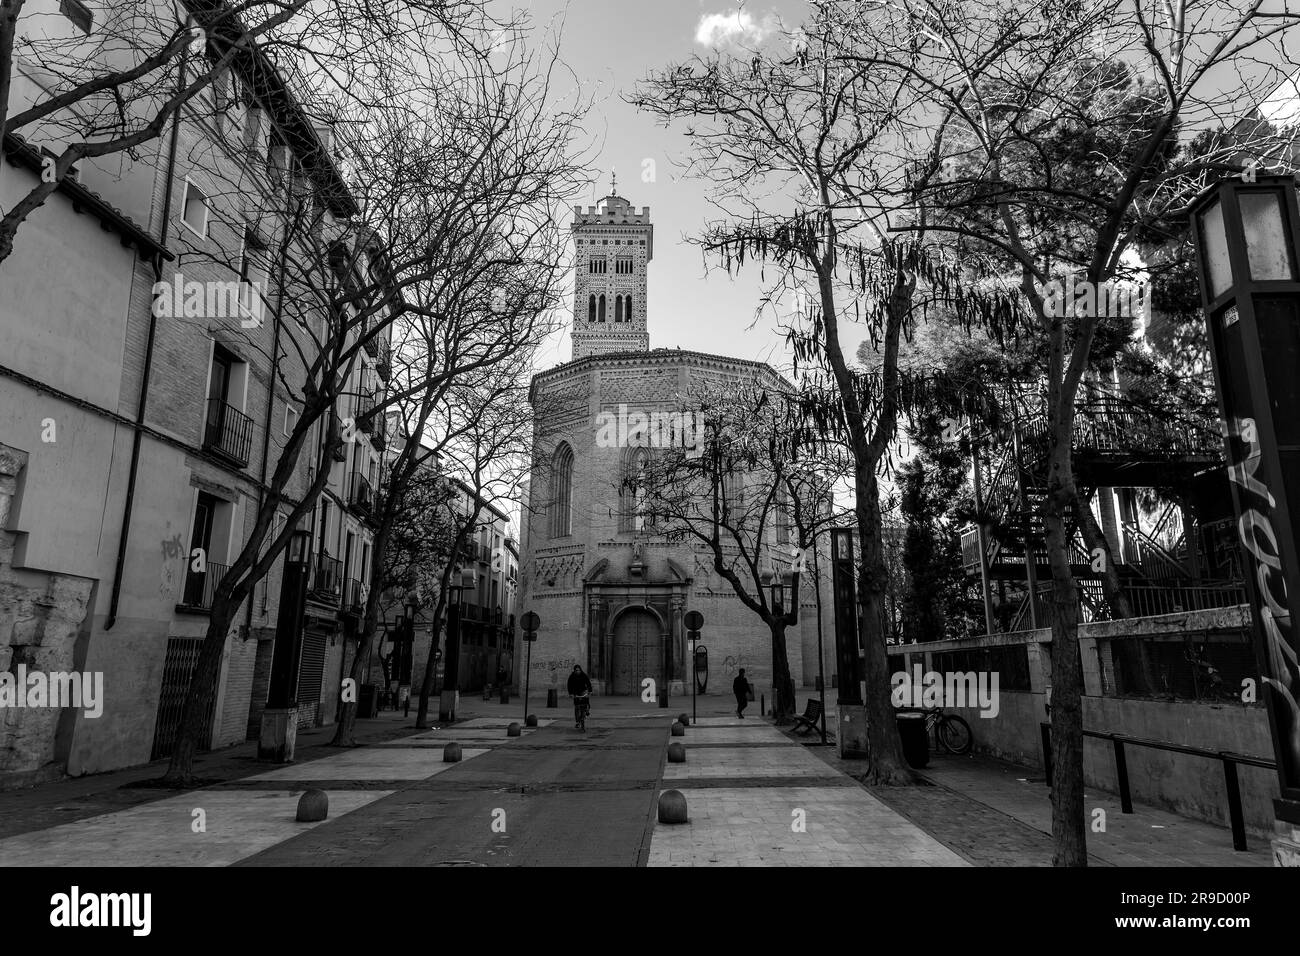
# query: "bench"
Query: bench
{"points": [[811, 718]]}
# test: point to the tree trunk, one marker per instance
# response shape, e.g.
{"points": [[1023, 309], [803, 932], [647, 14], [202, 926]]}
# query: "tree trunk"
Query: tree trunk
{"points": [[1094, 539], [343, 733], [888, 765], [430, 666], [1068, 814], [203, 685], [782, 684]]}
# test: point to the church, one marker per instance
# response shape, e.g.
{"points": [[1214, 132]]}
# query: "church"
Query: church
{"points": [[611, 593]]}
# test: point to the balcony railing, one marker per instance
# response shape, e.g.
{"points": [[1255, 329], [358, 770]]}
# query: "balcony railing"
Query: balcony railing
{"points": [[326, 576], [384, 361], [229, 432], [361, 496], [356, 594], [201, 586], [365, 411]]}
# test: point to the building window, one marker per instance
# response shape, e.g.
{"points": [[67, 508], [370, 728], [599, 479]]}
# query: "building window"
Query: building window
{"points": [[195, 210], [618, 308], [634, 510], [591, 308], [562, 492], [290, 419], [627, 308], [623, 266], [227, 430], [598, 266], [601, 310], [78, 13]]}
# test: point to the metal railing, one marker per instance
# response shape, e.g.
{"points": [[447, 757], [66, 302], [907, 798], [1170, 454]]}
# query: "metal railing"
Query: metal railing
{"points": [[228, 431], [201, 586], [365, 411], [384, 361], [326, 576], [1229, 758], [361, 496], [356, 594]]}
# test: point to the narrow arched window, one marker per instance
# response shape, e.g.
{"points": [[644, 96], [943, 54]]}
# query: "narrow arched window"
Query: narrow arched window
{"points": [[591, 308], [618, 308], [634, 509], [627, 308], [562, 492], [602, 309]]}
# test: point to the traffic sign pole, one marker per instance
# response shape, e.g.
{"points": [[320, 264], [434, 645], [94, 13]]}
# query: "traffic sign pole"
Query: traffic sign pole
{"points": [[694, 620], [530, 622]]}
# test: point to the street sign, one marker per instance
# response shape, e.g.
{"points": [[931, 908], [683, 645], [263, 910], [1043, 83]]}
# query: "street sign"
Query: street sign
{"points": [[694, 620], [530, 622]]}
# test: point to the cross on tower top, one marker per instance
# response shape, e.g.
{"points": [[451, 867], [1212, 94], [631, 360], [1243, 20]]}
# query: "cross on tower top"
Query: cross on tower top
{"points": [[613, 182]]}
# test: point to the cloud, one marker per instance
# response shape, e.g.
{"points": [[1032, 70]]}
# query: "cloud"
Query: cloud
{"points": [[732, 27]]}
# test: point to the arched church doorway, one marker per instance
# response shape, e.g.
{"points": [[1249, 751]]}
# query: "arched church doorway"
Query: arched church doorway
{"points": [[638, 651]]}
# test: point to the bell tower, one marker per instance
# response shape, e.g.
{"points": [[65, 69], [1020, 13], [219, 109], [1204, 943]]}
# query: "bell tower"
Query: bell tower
{"points": [[613, 244]]}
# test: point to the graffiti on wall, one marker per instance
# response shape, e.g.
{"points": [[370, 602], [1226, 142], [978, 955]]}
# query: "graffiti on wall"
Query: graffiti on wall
{"points": [[1260, 540]]}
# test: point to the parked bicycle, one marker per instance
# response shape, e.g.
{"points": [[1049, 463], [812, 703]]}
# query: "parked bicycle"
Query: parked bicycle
{"points": [[951, 732]]}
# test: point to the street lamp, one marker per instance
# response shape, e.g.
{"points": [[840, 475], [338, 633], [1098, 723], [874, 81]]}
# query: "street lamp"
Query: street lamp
{"points": [[1247, 237], [449, 702]]}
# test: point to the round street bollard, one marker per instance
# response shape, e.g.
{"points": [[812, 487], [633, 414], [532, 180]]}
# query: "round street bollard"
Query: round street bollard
{"points": [[451, 753], [684, 719], [676, 753], [678, 729], [314, 805], [672, 807], [531, 720], [513, 730]]}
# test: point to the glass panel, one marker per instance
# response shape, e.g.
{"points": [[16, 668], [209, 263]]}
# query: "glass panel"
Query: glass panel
{"points": [[1266, 235], [1214, 241]]}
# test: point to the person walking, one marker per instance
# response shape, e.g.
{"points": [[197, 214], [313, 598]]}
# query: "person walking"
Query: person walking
{"points": [[740, 687]]}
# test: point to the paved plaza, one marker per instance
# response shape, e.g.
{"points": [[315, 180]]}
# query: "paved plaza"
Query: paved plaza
{"points": [[756, 795]]}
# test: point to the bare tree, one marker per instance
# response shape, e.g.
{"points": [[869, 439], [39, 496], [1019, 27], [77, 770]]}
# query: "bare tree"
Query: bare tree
{"points": [[748, 496], [96, 94], [493, 425], [441, 161], [809, 149]]}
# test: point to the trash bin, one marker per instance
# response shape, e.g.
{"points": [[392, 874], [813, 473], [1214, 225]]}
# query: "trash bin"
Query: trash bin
{"points": [[552, 698], [916, 742]]}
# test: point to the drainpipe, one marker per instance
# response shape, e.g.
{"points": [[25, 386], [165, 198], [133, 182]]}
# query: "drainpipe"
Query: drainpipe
{"points": [[125, 534]]}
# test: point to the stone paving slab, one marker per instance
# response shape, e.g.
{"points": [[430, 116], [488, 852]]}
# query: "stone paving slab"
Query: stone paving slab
{"points": [[753, 827], [502, 722], [372, 763], [746, 762], [238, 825], [756, 733]]}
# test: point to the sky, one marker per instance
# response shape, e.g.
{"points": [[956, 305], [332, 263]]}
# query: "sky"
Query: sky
{"points": [[610, 45]]}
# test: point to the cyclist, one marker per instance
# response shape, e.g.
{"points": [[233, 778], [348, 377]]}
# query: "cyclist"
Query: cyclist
{"points": [[580, 690]]}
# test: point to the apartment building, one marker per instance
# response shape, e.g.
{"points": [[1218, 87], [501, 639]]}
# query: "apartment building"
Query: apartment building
{"points": [[143, 405]]}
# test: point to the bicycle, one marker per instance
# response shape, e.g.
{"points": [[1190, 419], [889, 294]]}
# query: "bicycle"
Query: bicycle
{"points": [[581, 708], [951, 732]]}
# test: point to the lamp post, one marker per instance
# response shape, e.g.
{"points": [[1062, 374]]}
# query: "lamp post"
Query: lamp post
{"points": [[449, 702], [852, 733], [1247, 237], [279, 730]]}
